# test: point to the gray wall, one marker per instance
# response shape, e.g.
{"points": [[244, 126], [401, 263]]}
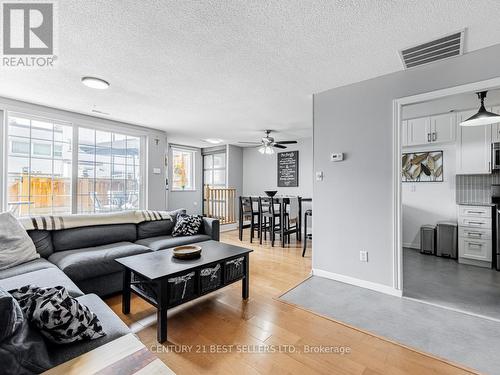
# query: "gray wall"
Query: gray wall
{"points": [[354, 204], [190, 200], [260, 172], [234, 176], [156, 193]]}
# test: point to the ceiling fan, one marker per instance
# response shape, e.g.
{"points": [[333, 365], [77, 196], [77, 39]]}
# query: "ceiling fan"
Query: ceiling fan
{"points": [[267, 144]]}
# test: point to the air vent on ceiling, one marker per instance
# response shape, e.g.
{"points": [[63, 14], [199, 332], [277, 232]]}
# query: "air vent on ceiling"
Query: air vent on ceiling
{"points": [[439, 49]]}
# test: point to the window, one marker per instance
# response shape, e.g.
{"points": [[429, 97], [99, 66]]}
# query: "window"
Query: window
{"points": [[108, 171], [214, 169], [182, 169], [38, 180], [40, 172]]}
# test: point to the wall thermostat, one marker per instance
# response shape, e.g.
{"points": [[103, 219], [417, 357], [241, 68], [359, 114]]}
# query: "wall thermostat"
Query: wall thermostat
{"points": [[338, 156]]}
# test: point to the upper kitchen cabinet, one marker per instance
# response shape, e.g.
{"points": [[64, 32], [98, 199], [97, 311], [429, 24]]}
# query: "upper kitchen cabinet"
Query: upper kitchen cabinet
{"points": [[443, 128], [429, 130], [418, 131], [495, 128], [473, 147]]}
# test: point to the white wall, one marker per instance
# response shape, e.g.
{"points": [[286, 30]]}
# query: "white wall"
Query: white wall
{"points": [[260, 172], [354, 204], [234, 168], [429, 202]]}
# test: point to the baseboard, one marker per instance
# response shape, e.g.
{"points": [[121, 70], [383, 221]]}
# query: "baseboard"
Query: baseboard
{"points": [[358, 282], [411, 245], [228, 227]]}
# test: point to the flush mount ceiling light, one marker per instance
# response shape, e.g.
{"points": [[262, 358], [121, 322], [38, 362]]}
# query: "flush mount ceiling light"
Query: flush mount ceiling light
{"points": [[95, 83], [214, 141], [482, 117]]}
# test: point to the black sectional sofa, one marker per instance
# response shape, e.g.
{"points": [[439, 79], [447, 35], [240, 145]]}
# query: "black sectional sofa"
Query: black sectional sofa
{"points": [[83, 260]]}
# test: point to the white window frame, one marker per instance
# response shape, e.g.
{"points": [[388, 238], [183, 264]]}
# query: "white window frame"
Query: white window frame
{"points": [[75, 120], [193, 167]]}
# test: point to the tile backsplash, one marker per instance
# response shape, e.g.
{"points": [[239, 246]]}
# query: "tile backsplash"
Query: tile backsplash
{"points": [[475, 189]]}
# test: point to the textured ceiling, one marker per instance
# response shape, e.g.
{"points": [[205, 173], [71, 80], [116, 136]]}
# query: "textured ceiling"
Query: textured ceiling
{"points": [[229, 68]]}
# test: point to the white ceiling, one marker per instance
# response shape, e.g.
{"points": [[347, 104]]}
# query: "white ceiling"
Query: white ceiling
{"points": [[228, 68]]}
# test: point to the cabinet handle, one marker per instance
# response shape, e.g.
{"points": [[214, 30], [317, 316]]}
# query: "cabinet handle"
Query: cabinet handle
{"points": [[474, 212], [489, 166], [475, 244], [475, 234], [434, 136], [428, 137], [475, 222]]}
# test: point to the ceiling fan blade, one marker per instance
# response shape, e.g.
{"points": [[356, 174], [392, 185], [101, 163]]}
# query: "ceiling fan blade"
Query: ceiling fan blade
{"points": [[251, 143], [278, 146], [286, 142]]}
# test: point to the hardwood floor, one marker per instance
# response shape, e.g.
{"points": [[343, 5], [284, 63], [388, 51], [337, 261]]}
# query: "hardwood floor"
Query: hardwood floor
{"points": [[223, 319]]}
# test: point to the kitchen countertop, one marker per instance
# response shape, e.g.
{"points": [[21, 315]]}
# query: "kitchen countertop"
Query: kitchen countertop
{"points": [[475, 204]]}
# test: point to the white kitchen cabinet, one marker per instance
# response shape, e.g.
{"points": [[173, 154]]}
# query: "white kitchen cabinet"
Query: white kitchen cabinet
{"points": [[475, 245], [495, 128], [429, 130], [419, 131], [443, 128], [404, 133], [473, 147]]}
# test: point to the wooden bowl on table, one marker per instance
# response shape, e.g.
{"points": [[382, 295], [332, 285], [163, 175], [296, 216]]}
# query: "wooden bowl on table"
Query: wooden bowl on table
{"points": [[187, 252]]}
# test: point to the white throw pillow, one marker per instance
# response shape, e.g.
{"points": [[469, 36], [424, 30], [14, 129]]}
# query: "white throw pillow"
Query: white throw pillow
{"points": [[16, 247]]}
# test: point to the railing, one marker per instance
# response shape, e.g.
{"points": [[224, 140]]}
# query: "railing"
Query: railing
{"points": [[220, 203]]}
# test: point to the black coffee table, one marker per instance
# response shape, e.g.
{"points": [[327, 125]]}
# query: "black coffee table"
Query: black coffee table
{"points": [[165, 281]]}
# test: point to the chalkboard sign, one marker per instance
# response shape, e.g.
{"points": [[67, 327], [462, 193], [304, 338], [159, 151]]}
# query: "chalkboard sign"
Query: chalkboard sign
{"points": [[288, 169]]}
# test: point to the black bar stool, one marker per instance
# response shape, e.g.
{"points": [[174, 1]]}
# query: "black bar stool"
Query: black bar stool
{"points": [[247, 213], [306, 235]]}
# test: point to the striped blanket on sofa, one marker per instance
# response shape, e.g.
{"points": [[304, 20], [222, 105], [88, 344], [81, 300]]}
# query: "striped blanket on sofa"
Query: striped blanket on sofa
{"points": [[74, 221]]}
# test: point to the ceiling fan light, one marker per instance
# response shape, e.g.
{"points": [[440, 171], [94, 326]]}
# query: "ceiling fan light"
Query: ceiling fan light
{"points": [[482, 117], [269, 150], [262, 149]]}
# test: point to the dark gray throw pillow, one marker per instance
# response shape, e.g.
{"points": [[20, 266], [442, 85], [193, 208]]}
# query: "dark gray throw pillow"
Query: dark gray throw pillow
{"points": [[187, 225], [58, 316], [22, 348]]}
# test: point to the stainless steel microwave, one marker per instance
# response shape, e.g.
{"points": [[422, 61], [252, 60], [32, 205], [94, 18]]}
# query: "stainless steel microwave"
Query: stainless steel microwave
{"points": [[495, 156]]}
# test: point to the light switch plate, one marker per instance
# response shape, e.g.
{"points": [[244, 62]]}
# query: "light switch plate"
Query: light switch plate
{"points": [[319, 176], [337, 156], [363, 256], [156, 170]]}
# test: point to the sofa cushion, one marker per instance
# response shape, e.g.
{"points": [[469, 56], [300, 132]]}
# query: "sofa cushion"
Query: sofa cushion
{"points": [[34, 265], [165, 242], [16, 247], [110, 322], [43, 242], [90, 262], [47, 277], [11, 315], [156, 228], [78, 238]]}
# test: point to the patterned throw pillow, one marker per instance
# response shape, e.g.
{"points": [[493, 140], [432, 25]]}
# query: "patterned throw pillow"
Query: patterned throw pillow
{"points": [[187, 225], [58, 316]]}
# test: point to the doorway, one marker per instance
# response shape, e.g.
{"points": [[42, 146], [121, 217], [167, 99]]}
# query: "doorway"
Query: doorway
{"points": [[433, 197]]}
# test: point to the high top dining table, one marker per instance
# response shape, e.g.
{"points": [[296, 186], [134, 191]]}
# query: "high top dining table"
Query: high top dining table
{"points": [[283, 201]]}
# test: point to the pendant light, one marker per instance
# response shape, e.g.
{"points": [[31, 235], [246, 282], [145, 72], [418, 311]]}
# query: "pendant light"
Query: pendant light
{"points": [[482, 117]]}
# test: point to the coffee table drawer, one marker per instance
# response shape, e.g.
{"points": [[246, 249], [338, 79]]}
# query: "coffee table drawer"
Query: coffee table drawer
{"points": [[210, 278], [181, 288], [234, 269]]}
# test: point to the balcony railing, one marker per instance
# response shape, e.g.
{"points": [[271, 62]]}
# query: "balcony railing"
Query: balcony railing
{"points": [[220, 203]]}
